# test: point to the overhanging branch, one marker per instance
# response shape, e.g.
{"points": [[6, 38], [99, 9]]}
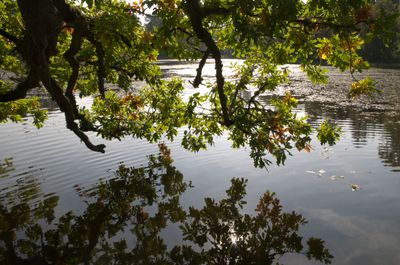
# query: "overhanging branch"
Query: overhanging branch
{"points": [[195, 11], [21, 89]]}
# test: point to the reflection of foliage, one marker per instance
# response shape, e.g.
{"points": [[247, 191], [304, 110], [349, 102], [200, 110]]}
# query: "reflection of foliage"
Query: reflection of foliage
{"points": [[364, 125], [125, 216], [25, 188], [6, 166], [389, 148], [235, 238]]}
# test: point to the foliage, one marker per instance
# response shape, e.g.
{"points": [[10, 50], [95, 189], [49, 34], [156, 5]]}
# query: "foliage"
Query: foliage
{"points": [[384, 47], [125, 216], [16, 110], [365, 86], [89, 45], [328, 133]]}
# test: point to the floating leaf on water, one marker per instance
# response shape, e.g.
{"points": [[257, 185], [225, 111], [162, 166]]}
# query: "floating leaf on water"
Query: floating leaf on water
{"points": [[310, 171], [354, 187], [336, 177]]}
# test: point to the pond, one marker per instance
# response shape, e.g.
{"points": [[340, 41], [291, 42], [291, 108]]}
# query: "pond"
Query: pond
{"points": [[349, 193]]}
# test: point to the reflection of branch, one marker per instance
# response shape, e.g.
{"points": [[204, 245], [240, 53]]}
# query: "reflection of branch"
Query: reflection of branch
{"points": [[115, 212]]}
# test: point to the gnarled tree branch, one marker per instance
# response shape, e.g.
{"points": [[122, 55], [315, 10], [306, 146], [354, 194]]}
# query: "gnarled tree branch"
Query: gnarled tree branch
{"points": [[80, 23], [43, 23], [69, 55], [194, 12]]}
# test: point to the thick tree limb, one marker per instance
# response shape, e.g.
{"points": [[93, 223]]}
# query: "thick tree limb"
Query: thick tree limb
{"points": [[43, 26], [69, 55], [22, 88], [77, 20], [198, 79], [194, 11]]}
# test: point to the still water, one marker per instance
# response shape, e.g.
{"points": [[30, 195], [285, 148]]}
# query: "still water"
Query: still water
{"points": [[349, 193]]}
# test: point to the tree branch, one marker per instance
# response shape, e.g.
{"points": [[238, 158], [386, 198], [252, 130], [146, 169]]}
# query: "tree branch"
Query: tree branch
{"points": [[309, 23], [80, 22], [101, 69], [69, 55], [198, 79], [44, 23], [208, 11], [8, 36], [194, 11], [22, 88], [65, 106], [241, 85]]}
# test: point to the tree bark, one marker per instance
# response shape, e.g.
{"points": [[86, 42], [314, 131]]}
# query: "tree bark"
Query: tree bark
{"points": [[196, 15], [44, 20]]}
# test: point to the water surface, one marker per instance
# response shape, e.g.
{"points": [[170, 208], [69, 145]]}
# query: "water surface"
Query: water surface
{"points": [[349, 193]]}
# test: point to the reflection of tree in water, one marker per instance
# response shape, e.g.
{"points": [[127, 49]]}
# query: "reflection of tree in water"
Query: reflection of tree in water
{"points": [[364, 125], [23, 187], [140, 203], [361, 126], [6, 166], [389, 148]]}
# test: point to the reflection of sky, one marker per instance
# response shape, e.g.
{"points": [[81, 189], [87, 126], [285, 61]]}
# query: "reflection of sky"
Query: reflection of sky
{"points": [[381, 243]]}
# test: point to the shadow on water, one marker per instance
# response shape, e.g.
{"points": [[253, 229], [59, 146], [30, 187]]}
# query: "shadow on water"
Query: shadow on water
{"points": [[125, 216]]}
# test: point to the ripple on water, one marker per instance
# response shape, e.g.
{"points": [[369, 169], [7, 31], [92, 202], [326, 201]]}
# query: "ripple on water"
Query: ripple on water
{"points": [[52, 161]]}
